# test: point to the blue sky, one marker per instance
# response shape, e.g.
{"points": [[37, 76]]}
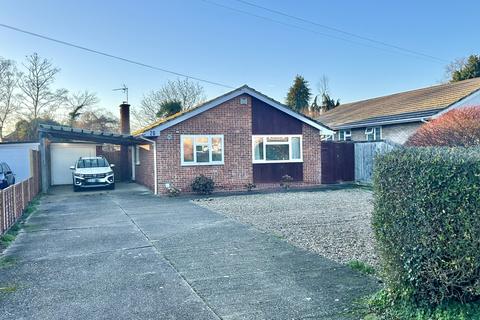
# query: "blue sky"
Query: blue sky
{"points": [[211, 42]]}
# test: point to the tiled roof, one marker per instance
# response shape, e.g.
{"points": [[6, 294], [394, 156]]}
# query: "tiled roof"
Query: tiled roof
{"points": [[89, 135], [243, 89], [430, 98]]}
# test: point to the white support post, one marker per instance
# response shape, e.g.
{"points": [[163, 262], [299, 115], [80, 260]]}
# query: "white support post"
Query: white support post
{"points": [[132, 148], [43, 162], [155, 174]]}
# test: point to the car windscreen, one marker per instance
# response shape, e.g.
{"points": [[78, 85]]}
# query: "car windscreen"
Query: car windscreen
{"points": [[92, 163]]}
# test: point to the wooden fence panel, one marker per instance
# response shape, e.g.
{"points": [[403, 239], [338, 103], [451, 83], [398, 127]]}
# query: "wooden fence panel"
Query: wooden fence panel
{"points": [[2, 213], [365, 153], [337, 162], [14, 199]]}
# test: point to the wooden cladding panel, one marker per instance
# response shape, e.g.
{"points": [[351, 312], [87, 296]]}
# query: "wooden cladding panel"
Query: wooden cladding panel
{"points": [[273, 172], [269, 120]]}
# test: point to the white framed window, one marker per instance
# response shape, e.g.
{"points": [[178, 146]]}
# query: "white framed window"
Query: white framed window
{"points": [[137, 155], [345, 135], [373, 133], [198, 150], [277, 148]]}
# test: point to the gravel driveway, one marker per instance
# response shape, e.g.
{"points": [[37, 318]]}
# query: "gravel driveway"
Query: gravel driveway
{"points": [[333, 223]]}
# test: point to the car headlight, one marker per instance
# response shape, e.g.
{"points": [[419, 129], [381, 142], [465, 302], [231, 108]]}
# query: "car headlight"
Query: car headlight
{"points": [[79, 175]]}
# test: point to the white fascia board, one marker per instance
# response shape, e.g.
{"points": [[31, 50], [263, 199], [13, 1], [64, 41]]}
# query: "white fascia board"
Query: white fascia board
{"points": [[244, 90], [382, 123], [471, 100]]}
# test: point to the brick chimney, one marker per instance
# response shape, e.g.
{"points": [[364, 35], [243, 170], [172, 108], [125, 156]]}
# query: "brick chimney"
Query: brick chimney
{"points": [[124, 129], [125, 118]]}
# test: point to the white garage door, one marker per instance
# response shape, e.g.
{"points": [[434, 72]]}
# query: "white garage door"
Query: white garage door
{"points": [[64, 155]]}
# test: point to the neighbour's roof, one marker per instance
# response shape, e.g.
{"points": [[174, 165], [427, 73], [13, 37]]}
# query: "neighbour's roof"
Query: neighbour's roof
{"points": [[18, 142], [400, 105], [89, 135], [164, 123]]}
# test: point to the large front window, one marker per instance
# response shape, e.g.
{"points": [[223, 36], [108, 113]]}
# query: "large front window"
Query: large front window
{"points": [[277, 148], [201, 149]]}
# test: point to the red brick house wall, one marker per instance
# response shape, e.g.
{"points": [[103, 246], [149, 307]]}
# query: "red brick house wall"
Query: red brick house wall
{"points": [[144, 171], [311, 155], [231, 119], [234, 122]]}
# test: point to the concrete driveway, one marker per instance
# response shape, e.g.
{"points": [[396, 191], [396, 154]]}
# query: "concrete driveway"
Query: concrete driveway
{"points": [[127, 254]]}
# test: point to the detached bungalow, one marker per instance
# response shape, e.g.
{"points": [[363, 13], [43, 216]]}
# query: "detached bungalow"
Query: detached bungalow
{"points": [[238, 138], [397, 116]]}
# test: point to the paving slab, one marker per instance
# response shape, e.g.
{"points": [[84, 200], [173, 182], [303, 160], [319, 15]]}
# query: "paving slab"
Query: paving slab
{"points": [[127, 254]]}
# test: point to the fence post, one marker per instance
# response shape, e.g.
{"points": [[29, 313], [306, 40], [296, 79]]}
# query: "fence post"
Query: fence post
{"points": [[23, 196], [28, 190], [2, 211]]}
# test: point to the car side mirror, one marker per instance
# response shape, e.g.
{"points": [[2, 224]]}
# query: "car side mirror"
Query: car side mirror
{"points": [[72, 167], [112, 166]]}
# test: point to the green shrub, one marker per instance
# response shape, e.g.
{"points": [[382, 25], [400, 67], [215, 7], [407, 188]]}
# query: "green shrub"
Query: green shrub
{"points": [[250, 186], [203, 185], [173, 191], [285, 181], [426, 223]]}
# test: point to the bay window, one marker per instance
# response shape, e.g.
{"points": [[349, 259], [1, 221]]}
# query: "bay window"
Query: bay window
{"points": [[277, 148], [201, 149]]}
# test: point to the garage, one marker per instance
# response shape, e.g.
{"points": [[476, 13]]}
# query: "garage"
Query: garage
{"points": [[64, 155], [19, 157], [60, 148]]}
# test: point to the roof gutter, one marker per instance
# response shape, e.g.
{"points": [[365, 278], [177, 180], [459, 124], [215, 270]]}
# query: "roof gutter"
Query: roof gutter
{"points": [[155, 172], [379, 123]]}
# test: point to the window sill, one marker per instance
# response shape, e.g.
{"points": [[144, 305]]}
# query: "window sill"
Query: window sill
{"points": [[202, 164], [277, 161]]}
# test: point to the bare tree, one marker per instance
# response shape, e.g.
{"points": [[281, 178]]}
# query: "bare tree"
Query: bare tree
{"points": [[78, 103], [450, 69], [37, 95], [326, 102], [98, 119], [188, 93], [8, 84], [322, 86]]}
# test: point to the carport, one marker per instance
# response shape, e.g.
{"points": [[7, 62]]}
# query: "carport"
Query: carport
{"points": [[68, 142]]}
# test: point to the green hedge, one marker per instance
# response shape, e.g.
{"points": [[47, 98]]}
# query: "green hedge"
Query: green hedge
{"points": [[426, 223]]}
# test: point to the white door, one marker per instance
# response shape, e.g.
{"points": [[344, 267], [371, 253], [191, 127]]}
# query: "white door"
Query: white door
{"points": [[64, 155]]}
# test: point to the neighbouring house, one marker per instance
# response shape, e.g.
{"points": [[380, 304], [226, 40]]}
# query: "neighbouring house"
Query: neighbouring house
{"points": [[238, 138], [395, 117]]}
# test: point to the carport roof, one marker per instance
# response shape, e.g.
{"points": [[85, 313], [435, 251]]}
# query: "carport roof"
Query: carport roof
{"points": [[90, 135]]}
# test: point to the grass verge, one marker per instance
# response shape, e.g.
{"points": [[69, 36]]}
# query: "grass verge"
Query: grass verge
{"points": [[381, 306], [361, 266], [6, 262]]}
